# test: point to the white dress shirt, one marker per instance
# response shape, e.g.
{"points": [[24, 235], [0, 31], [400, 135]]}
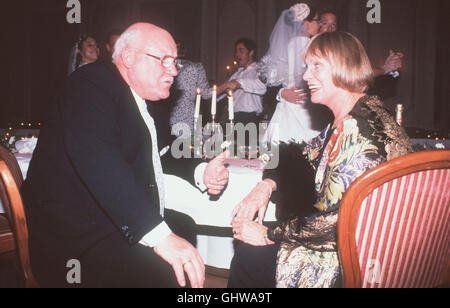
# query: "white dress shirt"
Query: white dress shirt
{"points": [[249, 97], [160, 232]]}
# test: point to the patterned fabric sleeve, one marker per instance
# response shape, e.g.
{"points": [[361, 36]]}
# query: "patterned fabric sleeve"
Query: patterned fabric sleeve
{"points": [[202, 81]]}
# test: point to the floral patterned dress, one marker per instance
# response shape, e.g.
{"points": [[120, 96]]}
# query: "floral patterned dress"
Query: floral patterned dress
{"points": [[367, 137]]}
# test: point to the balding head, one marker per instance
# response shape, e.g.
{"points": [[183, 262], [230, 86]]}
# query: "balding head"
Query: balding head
{"points": [[135, 55]]}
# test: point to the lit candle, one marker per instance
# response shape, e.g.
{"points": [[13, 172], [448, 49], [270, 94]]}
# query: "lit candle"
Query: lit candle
{"points": [[197, 104], [214, 101], [230, 106]]}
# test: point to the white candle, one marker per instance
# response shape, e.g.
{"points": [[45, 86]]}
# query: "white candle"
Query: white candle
{"points": [[230, 106], [197, 104], [214, 100]]}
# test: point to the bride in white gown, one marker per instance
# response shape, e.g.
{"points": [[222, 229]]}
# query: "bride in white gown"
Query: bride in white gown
{"points": [[283, 65]]}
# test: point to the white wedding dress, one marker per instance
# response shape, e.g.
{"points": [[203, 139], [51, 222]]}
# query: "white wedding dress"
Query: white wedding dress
{"points": [[292, 122]]}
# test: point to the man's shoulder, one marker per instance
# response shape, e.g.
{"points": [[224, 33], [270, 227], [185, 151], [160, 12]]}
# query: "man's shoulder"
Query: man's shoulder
{"points": [[100, 74]]}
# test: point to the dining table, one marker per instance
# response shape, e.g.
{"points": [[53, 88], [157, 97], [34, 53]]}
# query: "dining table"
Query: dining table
{"points": [[212, 214]]}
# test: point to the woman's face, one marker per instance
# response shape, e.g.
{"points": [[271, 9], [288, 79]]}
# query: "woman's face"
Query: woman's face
{"points": [[89, 51], [320, 80]]}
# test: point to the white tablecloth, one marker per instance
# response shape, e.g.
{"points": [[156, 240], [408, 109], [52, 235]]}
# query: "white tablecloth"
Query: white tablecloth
{"points": [[181, 196]]}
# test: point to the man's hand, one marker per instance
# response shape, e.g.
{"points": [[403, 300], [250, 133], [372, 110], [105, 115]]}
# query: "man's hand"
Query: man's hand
{"points": [[216, 174], [294, 96], [183, 257], [228, 85], [233, 85], [393, 62]]}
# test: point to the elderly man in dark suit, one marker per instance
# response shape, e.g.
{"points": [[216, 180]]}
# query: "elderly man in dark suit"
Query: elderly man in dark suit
{"points": [[95, 190]]}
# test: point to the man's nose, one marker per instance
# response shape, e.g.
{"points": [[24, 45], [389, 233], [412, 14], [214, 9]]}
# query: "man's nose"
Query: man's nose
{"points": [[173, 71]]}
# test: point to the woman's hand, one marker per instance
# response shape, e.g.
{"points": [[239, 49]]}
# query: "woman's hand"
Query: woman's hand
{"points": [[250, 232], [294, 96], [255, 202]]}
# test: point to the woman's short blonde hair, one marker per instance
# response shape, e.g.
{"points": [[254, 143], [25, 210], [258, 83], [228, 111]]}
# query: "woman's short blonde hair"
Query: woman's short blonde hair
{"points": [[351, 68]]}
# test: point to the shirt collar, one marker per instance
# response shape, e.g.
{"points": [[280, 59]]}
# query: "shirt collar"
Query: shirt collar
{"points": [[139, 100]]}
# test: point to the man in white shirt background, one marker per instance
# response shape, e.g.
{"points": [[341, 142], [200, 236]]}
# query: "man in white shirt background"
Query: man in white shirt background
{"points": [[248, 90]]}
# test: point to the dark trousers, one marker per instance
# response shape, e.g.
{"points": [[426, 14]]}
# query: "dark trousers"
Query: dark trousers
{"points": [[115, 263], [253, 266], [246, 118]]}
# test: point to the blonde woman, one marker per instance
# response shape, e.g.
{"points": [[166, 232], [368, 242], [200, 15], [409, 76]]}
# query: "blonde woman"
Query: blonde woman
{"points": [[301, 251]]}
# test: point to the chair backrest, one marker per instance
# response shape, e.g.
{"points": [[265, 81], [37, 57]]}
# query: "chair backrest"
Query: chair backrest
{"points": [[18, 222], [6, 237], [394, 227], [12, 164]]}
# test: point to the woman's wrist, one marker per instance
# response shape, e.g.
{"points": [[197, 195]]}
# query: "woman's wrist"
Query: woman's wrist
{"points": [[267, 184], [267, 240]]}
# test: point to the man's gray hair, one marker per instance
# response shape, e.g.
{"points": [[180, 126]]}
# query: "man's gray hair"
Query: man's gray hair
{"points": [[126, 39]]}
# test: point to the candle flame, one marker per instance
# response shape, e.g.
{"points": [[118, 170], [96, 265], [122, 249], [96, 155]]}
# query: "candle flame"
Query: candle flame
{"points": [[198, 91], [228, 67], [215, 88], [230, 92]]}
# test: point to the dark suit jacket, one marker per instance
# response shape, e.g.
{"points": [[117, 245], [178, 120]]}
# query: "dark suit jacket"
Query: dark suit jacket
{"points": [[91, 174]]}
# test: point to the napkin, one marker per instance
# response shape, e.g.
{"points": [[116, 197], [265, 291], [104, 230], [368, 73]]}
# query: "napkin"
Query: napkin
{"points": [[26, 145]]}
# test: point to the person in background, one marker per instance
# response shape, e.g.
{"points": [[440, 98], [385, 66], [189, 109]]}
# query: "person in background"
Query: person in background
{"points": [[301, 251], [191, 76], [329, 23], [84, 52], [294, 117], [111, 39], [248, 90]]}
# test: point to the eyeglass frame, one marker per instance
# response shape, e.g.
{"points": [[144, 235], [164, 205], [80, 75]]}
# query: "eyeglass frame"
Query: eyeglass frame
{"points": [[161, 60]]}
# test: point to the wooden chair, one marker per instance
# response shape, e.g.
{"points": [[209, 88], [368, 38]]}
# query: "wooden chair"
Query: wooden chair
{"points": [[394, 224], [16, 216], [6, 236]]}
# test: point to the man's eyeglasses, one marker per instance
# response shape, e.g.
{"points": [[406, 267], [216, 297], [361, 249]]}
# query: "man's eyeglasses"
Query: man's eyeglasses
{"points": [[166, 61]]}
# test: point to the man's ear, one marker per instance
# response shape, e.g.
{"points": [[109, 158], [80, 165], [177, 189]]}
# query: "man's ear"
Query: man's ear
{"points": [[128, 57], [251, 54]]}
